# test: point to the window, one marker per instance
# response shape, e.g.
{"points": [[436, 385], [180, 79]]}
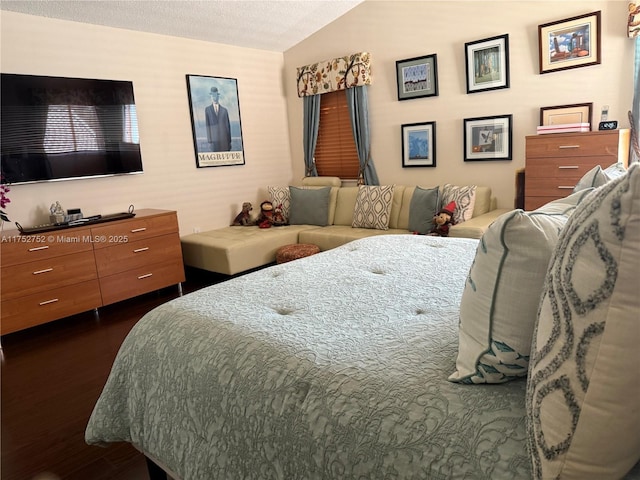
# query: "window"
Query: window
{"points": [[336, 154]]}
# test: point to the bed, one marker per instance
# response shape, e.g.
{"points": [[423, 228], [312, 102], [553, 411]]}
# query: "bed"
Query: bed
{"points": [[331, 366]]}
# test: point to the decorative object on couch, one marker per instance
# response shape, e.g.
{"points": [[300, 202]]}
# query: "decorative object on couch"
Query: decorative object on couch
{"points": [[488, 138], [443, 221], [569, 43], [243, 219], [417, 77], [424, 206], [373, 207], [265, 218], [582, 397], [487, 64], [279, 219], [282, 197], [464, 198], [309, 206], [419, 144], [295, 251]]}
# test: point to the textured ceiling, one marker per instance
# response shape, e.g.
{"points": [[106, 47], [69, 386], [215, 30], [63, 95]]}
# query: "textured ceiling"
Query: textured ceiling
{"points": [[275, 25]]}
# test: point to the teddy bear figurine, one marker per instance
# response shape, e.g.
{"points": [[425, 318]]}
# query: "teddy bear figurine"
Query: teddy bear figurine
{"points": [[243, 219], [278, 217], [265, 219], [443, 220]]}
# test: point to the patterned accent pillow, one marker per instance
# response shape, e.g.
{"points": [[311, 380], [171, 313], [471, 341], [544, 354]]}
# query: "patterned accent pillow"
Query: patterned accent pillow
{"points": [[373, 207], [465, 198], [500, 298], [281, 196], [583, 393]]}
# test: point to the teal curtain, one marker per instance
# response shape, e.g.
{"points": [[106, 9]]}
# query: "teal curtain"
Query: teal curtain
{"points": [[635, 117], [357, 100], [311, 120]]}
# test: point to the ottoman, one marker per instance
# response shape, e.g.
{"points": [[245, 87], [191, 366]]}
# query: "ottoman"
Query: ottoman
{"points": [[295, 251]]}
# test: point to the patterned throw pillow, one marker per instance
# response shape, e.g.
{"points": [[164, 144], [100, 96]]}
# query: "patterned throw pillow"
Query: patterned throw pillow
{"points": [[373, 207], [583, 395], [465, 198], [500, 298], [281, 196]]}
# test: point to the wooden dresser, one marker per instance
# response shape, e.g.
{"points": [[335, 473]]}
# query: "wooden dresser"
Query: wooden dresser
{"points": [[556, 162], [52, 275]]}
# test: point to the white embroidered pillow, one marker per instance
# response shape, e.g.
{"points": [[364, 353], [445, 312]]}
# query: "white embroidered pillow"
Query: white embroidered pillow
{"points": [[465, 198], [373, 207], [583, 393]]}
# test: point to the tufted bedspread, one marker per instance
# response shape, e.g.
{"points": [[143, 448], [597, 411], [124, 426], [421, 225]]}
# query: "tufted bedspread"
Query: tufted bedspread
{"points": [[333, 366]]}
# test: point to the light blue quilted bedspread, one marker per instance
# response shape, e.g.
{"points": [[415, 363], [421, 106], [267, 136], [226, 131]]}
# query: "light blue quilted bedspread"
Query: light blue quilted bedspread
{"points": [[333, 366]]}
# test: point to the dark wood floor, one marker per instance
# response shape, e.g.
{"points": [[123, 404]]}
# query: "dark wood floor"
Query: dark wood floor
{"points": [[51, 378]]}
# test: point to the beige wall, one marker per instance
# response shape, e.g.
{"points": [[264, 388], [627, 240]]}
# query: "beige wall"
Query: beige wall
{"points": [[157, 65], [394, 30]]}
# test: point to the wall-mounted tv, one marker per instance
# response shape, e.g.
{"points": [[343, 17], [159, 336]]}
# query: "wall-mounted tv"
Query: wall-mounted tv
{"points": [[55, 128]]}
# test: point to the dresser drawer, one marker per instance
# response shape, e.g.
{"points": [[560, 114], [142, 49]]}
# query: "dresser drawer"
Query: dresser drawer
{"points": [[131, 255], [33, 277], [141, 280], [27, 248], [573, 167], [570, 145], [31, 310], [132, 230], [550, 186]]}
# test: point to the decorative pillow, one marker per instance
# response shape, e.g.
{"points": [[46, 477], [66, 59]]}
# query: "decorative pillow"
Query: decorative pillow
{"points": [[373, 207], [423, 207], [309, 206], [501, 296], [593, 178], [281, 196], [583, 395], [615, 170], [565, 205], [465, 198]]}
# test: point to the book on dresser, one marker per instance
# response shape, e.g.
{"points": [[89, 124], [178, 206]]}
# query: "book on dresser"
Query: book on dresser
{"points": [[555, 163], [56, 274]]}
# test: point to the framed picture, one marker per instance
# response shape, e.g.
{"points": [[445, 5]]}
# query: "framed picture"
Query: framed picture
{"points": [[488, 138], [215, 121], [417, 77], [419, 144], [562, 114], [487, 64], [570, 43]]}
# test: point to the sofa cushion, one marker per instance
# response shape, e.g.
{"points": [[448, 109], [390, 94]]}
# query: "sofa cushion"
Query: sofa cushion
{"points": [[483, 201], [583, 414], [465, 198], [373, 207], [423, 207], [309, 206], [281, 196], [500, 299]]}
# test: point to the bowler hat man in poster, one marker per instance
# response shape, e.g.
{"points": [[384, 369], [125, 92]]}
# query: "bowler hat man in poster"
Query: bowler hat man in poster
{"points": [[215, 120], [218, 126]]}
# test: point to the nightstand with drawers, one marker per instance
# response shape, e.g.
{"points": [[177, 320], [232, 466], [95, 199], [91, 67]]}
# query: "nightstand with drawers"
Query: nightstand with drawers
{"points": [[556, 162]]}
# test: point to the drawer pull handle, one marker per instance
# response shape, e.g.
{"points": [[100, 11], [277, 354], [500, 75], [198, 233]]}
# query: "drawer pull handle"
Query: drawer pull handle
{"points": [[136, 230], [46, 302], [138, 250], [568, 146], [38, 272], [567, 167], [35, 249], [146, 275], [566, 187]]}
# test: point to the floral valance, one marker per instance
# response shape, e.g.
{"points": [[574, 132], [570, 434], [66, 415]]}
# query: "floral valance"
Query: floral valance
{"points": [[634, 19], [336, 74]]}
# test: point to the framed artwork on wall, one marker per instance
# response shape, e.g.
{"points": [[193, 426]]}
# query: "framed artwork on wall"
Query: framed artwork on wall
{"points": [[417, 77], [563, 114], [487, 64], [570, 43], [419, 144], [215, 121], [488, 138]]}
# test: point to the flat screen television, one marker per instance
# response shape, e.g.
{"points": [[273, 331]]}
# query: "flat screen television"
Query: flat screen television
{"points": [[55, 128]]}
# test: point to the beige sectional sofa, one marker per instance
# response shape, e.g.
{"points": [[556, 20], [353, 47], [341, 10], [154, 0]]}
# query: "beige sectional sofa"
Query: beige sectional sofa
{"points": [[232, 250]]}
